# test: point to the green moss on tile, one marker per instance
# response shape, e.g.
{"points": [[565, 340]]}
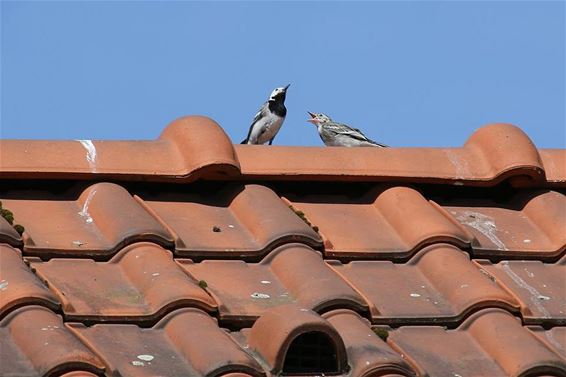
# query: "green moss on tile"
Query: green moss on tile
{"points": [[9, 217], [203, 284], [303, 217], [382, 332], [20, 229]]}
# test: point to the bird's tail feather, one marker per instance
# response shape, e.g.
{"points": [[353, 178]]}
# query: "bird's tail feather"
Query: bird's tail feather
{"points": [[376, 144], [245, 141], [380, 145]]}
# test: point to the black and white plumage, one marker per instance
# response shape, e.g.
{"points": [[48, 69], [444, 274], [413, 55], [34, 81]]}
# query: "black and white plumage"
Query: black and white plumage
{"points": [[335, 134], [268, 119]]}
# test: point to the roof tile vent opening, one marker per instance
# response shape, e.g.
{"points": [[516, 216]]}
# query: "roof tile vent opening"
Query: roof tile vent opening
{"points": [[311, 353], [293, 340]]}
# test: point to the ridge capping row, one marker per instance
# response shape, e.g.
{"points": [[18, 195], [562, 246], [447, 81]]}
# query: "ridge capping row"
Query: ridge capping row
{"points": [[196, 147]]}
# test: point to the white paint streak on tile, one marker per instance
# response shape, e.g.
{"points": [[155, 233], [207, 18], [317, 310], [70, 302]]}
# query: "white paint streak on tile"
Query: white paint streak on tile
{"points": [[260, 295], [535, 296], [461, 165], [84, 212], [3, 285], [90, 153], [483, 224]]}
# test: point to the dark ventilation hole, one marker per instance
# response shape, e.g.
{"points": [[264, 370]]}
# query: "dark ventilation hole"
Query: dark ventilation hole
{"points": [[311, 353]]}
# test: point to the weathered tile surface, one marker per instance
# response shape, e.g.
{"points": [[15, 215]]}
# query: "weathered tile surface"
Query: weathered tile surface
{"points": [[191, 256]]}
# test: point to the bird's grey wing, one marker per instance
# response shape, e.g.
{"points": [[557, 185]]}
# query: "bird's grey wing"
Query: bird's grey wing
{"points": [[354, 133], [260, 114], [342, 129], [370, 140]]}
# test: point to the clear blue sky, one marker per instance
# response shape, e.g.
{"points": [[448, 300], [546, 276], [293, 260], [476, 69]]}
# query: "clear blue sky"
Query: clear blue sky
{"points": [[407, 73]]}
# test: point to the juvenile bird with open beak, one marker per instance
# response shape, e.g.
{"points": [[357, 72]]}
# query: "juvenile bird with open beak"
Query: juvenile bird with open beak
{"points": [[338, 134], [268, 119]]}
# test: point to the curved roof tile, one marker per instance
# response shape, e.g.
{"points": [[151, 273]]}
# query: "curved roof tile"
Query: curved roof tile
{"points": [[139, 284], [35, 341]]}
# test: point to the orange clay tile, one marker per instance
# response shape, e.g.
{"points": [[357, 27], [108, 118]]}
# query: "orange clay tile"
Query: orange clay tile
{"points": [[489, 343], [539, 287], [285, 337], [438, 285], [139, 284], [531, 224], [390, 224], [35, 342], [398, 221], [187, 342], [8, 234], [492, 154], [554, 338], [239, 221], [367, 353], [18, 285], [190, 148], [102, 220], [292, 273], [554, 161]]}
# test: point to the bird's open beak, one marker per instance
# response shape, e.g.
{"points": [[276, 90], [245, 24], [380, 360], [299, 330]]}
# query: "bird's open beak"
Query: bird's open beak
{"points": [[313, 116]]}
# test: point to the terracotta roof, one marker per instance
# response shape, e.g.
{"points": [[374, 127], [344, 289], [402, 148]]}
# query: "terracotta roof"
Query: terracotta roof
{"points": [[191, 256]]}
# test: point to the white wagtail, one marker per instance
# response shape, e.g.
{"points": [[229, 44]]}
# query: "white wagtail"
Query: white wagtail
{"points": [[338, 134], [268, 119]]}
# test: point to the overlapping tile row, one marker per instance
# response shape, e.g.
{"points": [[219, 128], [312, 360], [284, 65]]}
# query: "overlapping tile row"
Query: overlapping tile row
{"points": [[187, 342], [237, 222], [102, 220], [287, 339], [396, 222], [106, 217], [292, 273], [139, 284], [282, 341], [390, 224], [142, 283], [491, 342], [491, 155], [277, 329], [247, 221], [195, 147], [438, 285]]}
